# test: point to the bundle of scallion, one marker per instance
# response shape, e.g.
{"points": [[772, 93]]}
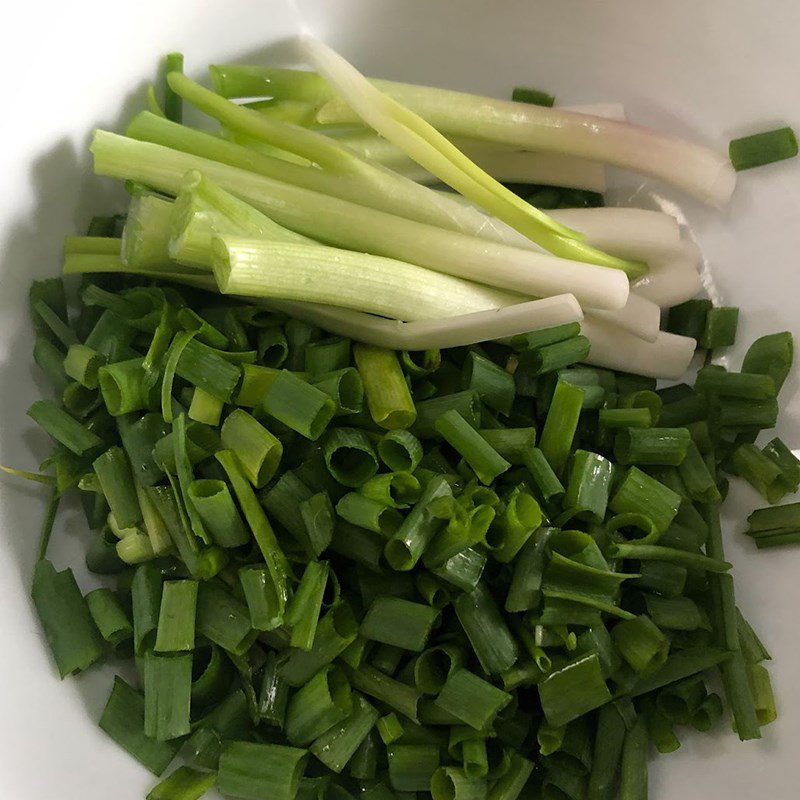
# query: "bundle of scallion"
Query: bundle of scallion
{"points": [[377, 528]]}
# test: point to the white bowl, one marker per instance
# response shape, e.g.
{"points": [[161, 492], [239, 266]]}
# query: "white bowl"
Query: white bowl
{"points": [[707, 70]]}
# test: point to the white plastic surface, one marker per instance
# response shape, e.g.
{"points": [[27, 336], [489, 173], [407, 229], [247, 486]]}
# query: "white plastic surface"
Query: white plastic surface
{"points": [[709, 69]]}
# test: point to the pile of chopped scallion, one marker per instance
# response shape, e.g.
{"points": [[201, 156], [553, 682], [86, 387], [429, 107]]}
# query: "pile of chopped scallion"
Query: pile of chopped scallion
{"points": [[485, 571]]}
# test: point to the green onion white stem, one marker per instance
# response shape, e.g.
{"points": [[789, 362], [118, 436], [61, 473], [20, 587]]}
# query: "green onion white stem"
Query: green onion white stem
{"points": [[672, 281], [355, 227], [313, 272], [696, 169], [429, 334], [613, 348], [146, 232], [202, 210], [502, 163], [640, 317], [431, 150], [349, 178]]}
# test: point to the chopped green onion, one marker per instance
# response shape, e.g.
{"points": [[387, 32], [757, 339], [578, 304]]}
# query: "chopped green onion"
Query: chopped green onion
{"points": [[123, 721], [720, 330], [167, 690], [573, 690], [184, 783], [561, 424], [486, 630], [300, 406], [303, 610], [471, 699], [64, 428], [223, 619], [67, 620], [412, 766], [762, 148], [176, 618], [652, 446], [492, 384], [388, 397], [213, 502], [252, 771], [537, 97], [261, 596], [399, 622], [258, 451]]}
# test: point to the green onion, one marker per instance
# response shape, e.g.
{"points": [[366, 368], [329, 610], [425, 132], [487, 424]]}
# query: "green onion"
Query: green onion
{"points": [[223, 619], [640, 494], [510, 784], [625, 418], [762, 148], [484, 460], [300, 406], [511, 443], [125, 388], [63, 428], [370, 514], [554, 357], [335, 632], [82, 364], [720, 330], [303, 610], [123, 721], [452, 783], [167, 689], [652, 446], [633, 768], [573, 690], [213, 502], [471, 699], [407, 545], [486, 630], [520, 517], [770, 355], [324, 701], [176, 619], [173, 104], [394, 489], [388, 397], [467, 404], [67, 620], [398, 696], [258, 523], [411, 766], [390, 729], [689, 318], [203, 367], [205, 408], [109, 616], [349, 456], [258, 451], [274, 693], [537, 97], [560, 425], [261, 596], [699, 482], [641, 643], [492, 384], [337, 746], [398, 622], [252, 771], [400, 451], [745, 385], [344, 387], [113, 470], [184, 783], [589, 486]]}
